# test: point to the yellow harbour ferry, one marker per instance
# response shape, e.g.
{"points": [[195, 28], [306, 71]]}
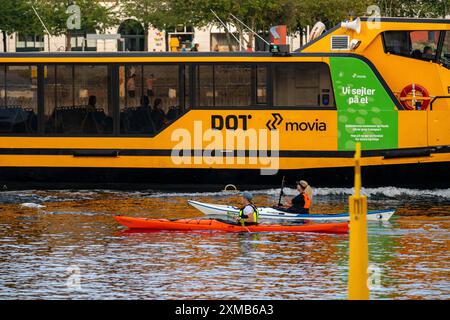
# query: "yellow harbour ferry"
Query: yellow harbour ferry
{"points": [[243, 118]]}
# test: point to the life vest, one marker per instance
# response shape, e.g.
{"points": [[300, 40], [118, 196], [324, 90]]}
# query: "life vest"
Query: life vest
{"points": [[255, 213], [307, 201]]}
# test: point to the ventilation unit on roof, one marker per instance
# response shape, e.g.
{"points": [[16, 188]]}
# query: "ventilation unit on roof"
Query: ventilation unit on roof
{"points": [[340, 43]]}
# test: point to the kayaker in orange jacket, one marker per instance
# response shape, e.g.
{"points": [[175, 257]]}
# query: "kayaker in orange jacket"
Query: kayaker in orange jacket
{"points": [[302, 202]]}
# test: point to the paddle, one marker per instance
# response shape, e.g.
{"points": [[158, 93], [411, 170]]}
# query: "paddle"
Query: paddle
{"points": [[243, 224], [281, 192]]}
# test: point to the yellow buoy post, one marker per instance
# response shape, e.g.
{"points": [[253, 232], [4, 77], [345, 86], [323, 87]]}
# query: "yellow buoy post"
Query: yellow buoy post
{"points": [[359, 252]]}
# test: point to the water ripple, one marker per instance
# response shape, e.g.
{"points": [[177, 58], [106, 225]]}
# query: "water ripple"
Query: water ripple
{"points": [[75, 235]]}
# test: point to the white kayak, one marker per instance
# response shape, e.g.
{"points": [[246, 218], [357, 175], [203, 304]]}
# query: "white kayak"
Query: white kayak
{"points": [[272, 213]]}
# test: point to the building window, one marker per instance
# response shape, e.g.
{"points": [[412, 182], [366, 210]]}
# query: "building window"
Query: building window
{"points": [[302, 85], [18, 99], [77, 100], [28, 43], [226, 85], [180, 38], [220, 42], [413, 44], [79, 42], [132, 36], [150, 97]]}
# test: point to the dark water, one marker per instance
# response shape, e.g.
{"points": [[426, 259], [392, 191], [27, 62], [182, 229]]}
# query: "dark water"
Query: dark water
{"points": [[73, 249]]}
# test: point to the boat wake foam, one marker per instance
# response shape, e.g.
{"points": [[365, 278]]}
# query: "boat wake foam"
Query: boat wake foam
{"points": [[388, 192], [41, 197]]}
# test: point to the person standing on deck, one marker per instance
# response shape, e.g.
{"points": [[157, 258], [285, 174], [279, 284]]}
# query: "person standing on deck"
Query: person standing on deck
{"points": [[174, 44], [302, 202], [195, 47], [248, 214]]}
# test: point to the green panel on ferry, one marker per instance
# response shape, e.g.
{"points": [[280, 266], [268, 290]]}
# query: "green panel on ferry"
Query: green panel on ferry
{"points": [[366, 113]]}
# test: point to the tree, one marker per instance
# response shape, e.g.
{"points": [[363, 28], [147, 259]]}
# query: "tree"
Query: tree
{"points": [[7, 22], [94, 16], [259, 15], [149, 13], [10, 23], [414, 8]]}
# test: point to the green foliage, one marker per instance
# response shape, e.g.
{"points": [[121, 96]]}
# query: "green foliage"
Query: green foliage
{"points": [[260, 15], [148, 12], [94, 14], [18, 16], [330, 12], [414, 8]]}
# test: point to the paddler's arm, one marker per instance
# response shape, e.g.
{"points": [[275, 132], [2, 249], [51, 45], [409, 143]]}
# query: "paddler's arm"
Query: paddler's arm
{"points": [[287, 200]]}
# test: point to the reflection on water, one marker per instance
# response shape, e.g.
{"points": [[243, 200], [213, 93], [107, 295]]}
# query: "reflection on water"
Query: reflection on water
{"points": [[76, 229]]}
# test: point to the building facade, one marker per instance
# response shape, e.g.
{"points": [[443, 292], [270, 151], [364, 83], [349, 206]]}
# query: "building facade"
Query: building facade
{"points": [[129, 35], [209, 38], [132, 38]]}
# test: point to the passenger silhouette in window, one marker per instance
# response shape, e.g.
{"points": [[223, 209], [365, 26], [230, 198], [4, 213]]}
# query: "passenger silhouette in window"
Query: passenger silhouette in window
{"points": [[427, 50], [90, 122], [416, 54], [141, 121], [92, 103], [428, 53], [158, 115], [145, 102]]}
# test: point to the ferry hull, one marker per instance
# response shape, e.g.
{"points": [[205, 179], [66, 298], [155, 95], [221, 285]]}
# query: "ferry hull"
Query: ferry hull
{"points": [[421, 175]]}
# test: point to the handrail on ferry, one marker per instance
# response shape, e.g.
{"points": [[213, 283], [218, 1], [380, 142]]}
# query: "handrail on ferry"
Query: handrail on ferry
{"points": [[436, 98]]}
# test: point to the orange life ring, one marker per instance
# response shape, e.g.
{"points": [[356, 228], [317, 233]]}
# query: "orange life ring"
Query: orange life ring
{"points": [[406, 98]]}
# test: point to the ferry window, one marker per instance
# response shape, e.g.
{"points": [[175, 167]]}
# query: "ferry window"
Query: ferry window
{"points": [[205, 85], [232, 85], [445, 55], [261, 85], [131, 83], [76, 100], [225, 85], [149, 98], [2, 85], [302, 85], [187, 86], [413, 44], [18, 99]]}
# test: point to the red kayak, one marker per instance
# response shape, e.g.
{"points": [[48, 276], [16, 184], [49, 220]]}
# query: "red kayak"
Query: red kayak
{"points": [[211, 224]]}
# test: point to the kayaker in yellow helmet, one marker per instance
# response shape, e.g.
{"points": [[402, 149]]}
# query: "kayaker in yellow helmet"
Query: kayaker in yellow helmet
{"points": [[248, 214]]}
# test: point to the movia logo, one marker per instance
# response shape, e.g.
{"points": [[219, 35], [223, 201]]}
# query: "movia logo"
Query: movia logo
{"points": [[276, 121], [359, 76]]}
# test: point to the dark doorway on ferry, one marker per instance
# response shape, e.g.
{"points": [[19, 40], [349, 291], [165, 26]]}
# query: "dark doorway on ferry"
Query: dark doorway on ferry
{"points": [[132, 36]]}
